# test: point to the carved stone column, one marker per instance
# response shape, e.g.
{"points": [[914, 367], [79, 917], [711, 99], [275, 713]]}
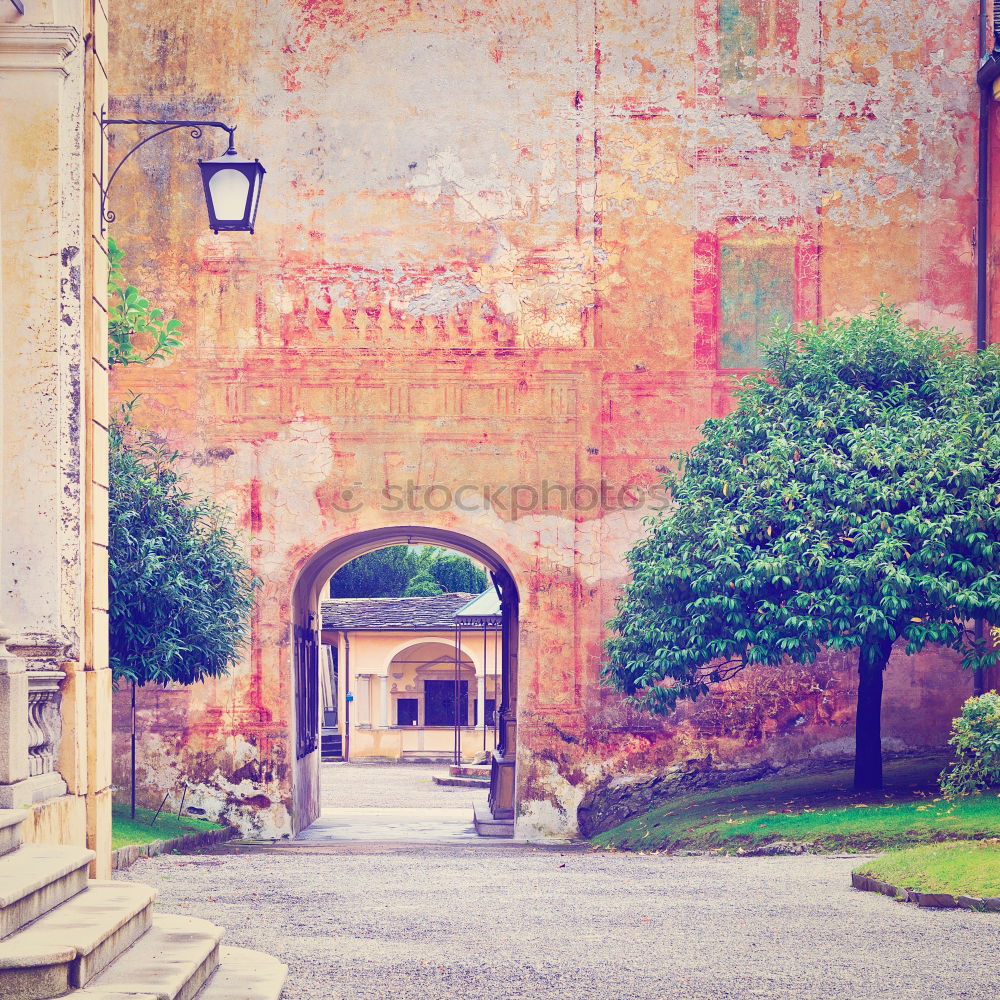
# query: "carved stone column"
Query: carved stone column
{"points": [[481, 700], [383, 701], [53, 423]]}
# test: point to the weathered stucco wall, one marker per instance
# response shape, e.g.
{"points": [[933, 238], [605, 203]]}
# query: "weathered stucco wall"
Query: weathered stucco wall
{"points": [[56, 756], [520, 248]]}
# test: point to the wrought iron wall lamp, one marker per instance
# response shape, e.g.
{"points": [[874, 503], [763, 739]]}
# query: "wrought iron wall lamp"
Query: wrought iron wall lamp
{"points": [[232, 183]]}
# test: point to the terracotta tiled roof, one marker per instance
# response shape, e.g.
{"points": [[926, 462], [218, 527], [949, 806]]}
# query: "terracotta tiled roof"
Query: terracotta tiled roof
{"points": [[429, 614]]}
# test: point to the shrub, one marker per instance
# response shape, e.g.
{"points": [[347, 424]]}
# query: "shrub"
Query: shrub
{"points": [[134, 321], [975, 735]]}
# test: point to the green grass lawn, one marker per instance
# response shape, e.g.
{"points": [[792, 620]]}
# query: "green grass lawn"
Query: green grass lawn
{"points": [[968, 868], [820, 809], [126, 831]]}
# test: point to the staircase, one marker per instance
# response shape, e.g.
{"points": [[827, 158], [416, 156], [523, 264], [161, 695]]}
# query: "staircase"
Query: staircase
{"points": [[64, 935]]}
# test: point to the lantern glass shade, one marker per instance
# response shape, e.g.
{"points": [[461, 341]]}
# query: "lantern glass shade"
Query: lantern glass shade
{"points": [[232, 192], [230, 188]]}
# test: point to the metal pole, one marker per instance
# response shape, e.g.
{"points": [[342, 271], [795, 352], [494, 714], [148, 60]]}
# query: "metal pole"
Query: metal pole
{"points": [[133, 749], [158, 811], [482, 708], [457, 755], [496, 690]]}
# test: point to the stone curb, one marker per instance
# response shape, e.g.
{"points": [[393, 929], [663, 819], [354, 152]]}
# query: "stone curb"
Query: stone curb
{"points": [[867, 883], [125, 857]]}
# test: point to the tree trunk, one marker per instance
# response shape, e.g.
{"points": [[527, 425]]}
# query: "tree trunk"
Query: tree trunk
{"points": [[872, 660]]}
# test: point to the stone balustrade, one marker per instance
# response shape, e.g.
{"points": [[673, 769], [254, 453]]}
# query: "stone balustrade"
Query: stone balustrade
{"points": [[44, 720], [30, 718]]}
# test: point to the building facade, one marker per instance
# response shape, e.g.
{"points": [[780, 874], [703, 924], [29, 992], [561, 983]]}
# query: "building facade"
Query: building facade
{"points": [[55, 685], [509, 256], [422, 684]]}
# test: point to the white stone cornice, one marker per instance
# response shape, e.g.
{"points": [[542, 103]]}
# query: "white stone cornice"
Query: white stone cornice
{"points": [[33, 47]]}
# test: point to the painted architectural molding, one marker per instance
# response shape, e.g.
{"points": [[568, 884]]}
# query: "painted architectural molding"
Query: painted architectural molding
{"points": [[36, 47]]}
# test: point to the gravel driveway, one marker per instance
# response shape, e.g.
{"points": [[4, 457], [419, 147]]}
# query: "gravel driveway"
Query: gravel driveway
{"points": [[466, 922]]}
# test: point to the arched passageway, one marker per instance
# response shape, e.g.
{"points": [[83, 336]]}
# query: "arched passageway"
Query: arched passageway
{"points": [[306, 638]]}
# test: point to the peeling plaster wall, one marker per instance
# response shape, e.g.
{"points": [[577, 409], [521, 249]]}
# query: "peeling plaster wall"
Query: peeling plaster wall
{"points": [[54, 415], [490, 255]]}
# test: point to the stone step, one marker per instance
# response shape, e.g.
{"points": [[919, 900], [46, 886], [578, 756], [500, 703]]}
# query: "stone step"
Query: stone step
{"points": [[423, 757], [171, 961], [71, 944], [34, 878], [460, 782], [487, 825], [470, 771], [10, 829], [245, 975]]}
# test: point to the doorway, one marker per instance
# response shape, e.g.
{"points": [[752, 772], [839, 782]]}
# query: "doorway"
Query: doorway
{"points": [[472, 698]]}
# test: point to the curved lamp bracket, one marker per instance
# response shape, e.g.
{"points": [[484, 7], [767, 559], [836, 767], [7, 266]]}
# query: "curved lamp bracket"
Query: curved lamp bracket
{"points": [[166, 125]]}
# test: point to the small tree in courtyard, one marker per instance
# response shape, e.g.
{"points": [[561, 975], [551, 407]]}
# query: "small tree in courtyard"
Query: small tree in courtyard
{"points": [[181, 589], [851, 500]]}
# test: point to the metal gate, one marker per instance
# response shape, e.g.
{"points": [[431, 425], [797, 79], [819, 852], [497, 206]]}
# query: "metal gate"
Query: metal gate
{"points": [[306, 653]]}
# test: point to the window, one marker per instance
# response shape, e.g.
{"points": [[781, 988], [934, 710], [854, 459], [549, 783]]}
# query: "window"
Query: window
{"points": [[406, 711], [439, 703], [767, 56], [756, 290], [749, 274], [491, 707], [756, 39]]}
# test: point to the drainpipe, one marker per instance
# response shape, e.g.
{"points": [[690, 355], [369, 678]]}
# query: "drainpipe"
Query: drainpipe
{"points": [[988, 73]]}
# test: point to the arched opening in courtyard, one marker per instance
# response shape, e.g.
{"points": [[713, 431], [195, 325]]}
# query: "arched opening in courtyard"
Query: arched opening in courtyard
{"points": [[417, 696]]}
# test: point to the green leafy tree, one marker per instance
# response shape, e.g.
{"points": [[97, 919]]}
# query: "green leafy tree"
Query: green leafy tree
{"points": [[181, 588], [423, 585], [457, 574], [137, 331], [382, 573], [388, 572], [852, 501], [181, 591]]}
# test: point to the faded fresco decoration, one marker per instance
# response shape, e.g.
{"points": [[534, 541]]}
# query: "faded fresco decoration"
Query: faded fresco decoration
{"points": [[515, 244]]}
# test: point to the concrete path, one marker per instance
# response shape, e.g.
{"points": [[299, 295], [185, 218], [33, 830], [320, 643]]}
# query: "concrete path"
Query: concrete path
{"points": [[391, 786], [391, 802], [468, 921], [411, 825]]}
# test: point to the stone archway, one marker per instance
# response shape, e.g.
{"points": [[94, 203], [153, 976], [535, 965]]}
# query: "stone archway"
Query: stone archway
{"points": [[304, 614]]}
